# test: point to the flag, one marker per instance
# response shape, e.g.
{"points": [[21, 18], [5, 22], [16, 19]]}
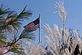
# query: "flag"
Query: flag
{"points": [[34, 25]]}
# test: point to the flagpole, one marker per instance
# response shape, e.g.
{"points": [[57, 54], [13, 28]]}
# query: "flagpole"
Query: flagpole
{"points": [[39, 29], [39, 34]]}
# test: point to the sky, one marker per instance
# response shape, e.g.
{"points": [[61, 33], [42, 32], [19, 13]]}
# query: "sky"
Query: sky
{"points": [[46, 9]]}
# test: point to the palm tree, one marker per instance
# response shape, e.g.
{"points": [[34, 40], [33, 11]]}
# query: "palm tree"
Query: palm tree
{"points": [[9, 21]]}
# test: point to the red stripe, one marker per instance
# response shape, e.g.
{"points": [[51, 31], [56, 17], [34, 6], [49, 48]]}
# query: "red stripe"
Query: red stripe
{"points": [[31, 27]]}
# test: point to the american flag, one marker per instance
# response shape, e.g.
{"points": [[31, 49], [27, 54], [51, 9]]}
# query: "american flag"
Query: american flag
{"points": [[34, 25]]}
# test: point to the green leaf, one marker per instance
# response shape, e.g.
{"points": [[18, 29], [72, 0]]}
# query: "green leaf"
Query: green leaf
{"points": [[2, 41], [9, 29], [24, 14], [2, 38], [16, 50], [27, 35], [15, 26], [3, 27], [11, 15], [3, 10]]}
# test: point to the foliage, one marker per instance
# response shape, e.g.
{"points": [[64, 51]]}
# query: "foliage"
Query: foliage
{"points": [[10, 22], [63, 41], [10, 19], [38, 49]]}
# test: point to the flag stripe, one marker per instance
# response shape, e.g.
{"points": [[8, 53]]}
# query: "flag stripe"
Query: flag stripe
{"points": [[33, 25]]}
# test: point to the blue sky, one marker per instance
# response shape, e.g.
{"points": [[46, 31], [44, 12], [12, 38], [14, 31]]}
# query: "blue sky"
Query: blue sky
{"points": [[46, 10]]}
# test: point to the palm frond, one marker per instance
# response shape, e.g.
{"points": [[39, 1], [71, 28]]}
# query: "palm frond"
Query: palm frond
{"points": [[16, 26], [2, 38], [11, 15], [24, 14], [27, 35], [11, 18], [3, 10], [15, 50], [9, 29]]}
